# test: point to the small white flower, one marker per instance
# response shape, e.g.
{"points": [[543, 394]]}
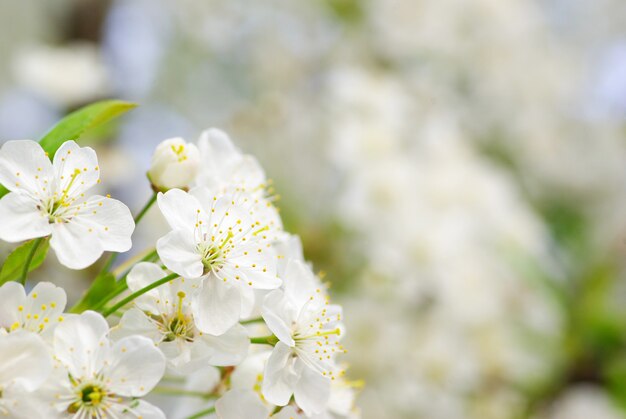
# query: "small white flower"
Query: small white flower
{"points": [[308, 329], [175, 164], [224, 166], [48, 199], [165, 316], [221, 241], [39, 311], [101, 379], [25, 363]]}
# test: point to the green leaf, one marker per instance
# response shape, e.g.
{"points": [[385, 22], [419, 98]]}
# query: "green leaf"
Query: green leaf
{"points": [[13, 265], [103, 286], [75, 124]]}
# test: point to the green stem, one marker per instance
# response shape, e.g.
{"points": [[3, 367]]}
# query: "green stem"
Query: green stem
{"points": [[138, 293], [265, 340], [146, 207], [254, 320], [202, 413], [29, 259]]}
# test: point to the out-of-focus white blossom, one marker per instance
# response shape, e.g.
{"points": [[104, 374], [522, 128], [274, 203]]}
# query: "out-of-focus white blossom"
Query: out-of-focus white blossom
{"points": [[68, 75]]}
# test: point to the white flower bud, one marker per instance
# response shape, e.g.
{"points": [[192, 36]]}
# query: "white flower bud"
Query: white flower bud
{"points": [[174, 164]]}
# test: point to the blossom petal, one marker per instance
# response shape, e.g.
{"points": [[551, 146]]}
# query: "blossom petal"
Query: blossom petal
{"points": [[109, 219], [140, 409], [20, 219], [312, 391], [80, 341], [142, 275], [12, 295], [180, 209], [75, 246], [278, 316], [216, 308], [227, 349], [25, 166], [280, 377], [238, 404], [135, 322], [25, 360], [76, 168], [178, 252], [134, 366]]}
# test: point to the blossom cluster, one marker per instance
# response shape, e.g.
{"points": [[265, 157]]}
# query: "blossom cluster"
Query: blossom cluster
{"points": [[224, 306]]}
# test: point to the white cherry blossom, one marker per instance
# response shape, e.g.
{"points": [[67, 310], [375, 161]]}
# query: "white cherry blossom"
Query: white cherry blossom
{"points": [[25, 363], [164, 315], [49, 199], [308, 329], [218, 241], [39, 311], [175, 164], [96, 378]]}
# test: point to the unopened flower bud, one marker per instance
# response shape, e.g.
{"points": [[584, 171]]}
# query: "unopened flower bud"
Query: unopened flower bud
{"points": [[174, 164]]}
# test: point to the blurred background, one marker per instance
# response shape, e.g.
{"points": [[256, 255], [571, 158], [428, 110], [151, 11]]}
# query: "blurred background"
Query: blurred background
{"points": [[456, 168]]}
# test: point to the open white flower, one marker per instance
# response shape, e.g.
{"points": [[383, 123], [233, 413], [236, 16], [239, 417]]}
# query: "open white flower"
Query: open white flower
{"points": [[175, 164], [308, 329], [39, 311], [101, 379], [25, 363], [48, 199], [164, 314], [220, 240], [225, 166]]}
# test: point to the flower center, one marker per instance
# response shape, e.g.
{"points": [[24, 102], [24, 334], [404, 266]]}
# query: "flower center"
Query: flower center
{"points": [[90, 396], [214, 255]]}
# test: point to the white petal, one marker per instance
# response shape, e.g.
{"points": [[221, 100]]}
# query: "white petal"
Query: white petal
{"points": [[240, 404], [301, 283], [312, 391], [227, 349], [140, 410], [216, 308], [20, 219], [279, 378], [12, 295], [180, 209], [25, 360], [177, 250], [80, 343], [43, 307], [142, 275], [75, 246], [278, 316], [135, 322], [109, 219], [76, 168], [134, 366], [24, 165]]}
